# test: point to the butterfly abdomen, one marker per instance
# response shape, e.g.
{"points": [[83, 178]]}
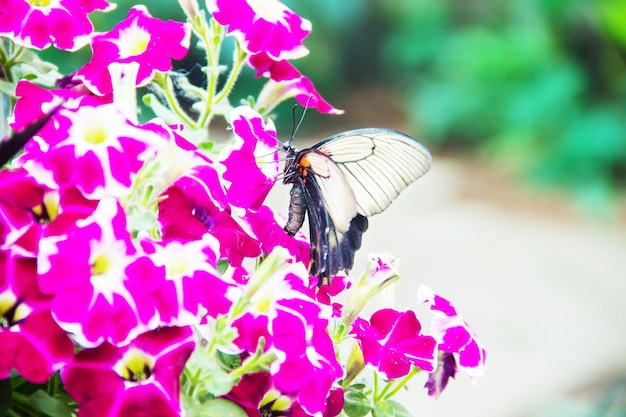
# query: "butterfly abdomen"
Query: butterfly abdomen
{"points": [[297, 209]]}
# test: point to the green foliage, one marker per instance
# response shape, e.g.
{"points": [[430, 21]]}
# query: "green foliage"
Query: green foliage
{"points": [[536, 84], [539, 85], [19, 397]]}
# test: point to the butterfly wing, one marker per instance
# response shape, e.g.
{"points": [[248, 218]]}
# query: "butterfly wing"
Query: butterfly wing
{"points": [[377, 164], [344, 179], [331, 250], [12, 145]]}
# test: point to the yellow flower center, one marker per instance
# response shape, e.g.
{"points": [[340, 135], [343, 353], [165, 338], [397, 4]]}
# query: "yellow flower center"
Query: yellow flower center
{"points": [[100, 265], [96, 135], [39, 3], [133, 41], [136, 365]]}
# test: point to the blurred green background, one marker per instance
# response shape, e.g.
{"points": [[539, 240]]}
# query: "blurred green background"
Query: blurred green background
{"points": [[538, 86]]}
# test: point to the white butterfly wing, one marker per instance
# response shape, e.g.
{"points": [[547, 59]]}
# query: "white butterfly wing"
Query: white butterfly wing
{"points": [[377, 165], [336, 193]]}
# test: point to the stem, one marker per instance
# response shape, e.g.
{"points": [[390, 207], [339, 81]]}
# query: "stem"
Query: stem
{"points": [[375, 385], [212, 54], [238, 59], [399, 384], [253, 364], [168, 88]]}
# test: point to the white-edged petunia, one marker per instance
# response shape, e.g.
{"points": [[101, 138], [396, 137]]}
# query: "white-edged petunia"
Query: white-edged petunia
{"points": [[139, 38], [266, 26], [459, 347], [39, 24], [141, 378]]}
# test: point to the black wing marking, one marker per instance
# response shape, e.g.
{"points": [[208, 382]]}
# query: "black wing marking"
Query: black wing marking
{"points": [[11, 145], [377, 164], [331, 250]]}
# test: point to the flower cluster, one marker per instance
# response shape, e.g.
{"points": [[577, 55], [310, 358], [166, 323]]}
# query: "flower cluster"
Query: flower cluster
{"points": [[141, 261]]}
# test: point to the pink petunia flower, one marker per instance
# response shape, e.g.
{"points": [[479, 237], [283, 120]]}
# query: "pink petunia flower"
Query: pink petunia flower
{"points": [[141, 378], [252, 162], [285, 82], [266, 26], [268, 225], [460, 349], [192, 280], [20, 200], [95, 149], [139, 38], [194, 205], [62, 23], [32, 343], [307, 366], [392, 342], [103, 289]]}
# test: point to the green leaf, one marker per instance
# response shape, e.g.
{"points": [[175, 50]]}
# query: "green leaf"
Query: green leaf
{"points": [[220, 407], [49, 406], [356, 404], [399, 410], [5, 396], [383, 409]]}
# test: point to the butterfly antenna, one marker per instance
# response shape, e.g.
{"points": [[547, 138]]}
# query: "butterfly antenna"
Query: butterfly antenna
{"points": [[297, 126]]}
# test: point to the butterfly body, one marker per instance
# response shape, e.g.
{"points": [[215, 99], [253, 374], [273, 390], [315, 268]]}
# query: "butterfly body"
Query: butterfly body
{"points": [[341, 181]]}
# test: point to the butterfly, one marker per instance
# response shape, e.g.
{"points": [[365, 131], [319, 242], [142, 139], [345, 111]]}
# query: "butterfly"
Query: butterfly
{"points": [[340, 182]]}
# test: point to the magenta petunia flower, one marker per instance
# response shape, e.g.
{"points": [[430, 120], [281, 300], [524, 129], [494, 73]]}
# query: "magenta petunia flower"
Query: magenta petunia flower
{"points": [[334, 405], [95, 149], [20, 201], [194, 205], [453, 334], [31, 342], [139, 38], [268, 227], [252, 162], [141, 378], [249, 392], [392, 342], [34, 102], [192, 280], [62, 23], [266, 26], [103, 289], [286, 82], [307, 366]]}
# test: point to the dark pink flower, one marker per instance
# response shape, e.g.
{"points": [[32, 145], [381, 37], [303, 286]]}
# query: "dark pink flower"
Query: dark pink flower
{"points": [[453, 334], [34, 102], [141, 378], [62, 23], [31, 342], [268, 225], [139, 38], [20, 202], [334, 405], [307, 366], [252, 162], [249, 392], [97, 149], [103, 289], [392, 342], [194, 205], [192, 280], [266, 26], [286, 82]]}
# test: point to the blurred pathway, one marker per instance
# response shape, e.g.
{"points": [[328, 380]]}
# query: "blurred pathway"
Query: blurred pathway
{"points": [[544, 289]]}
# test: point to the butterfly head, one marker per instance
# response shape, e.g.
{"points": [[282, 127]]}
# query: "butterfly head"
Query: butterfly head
{"points": [[291, 169]]}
